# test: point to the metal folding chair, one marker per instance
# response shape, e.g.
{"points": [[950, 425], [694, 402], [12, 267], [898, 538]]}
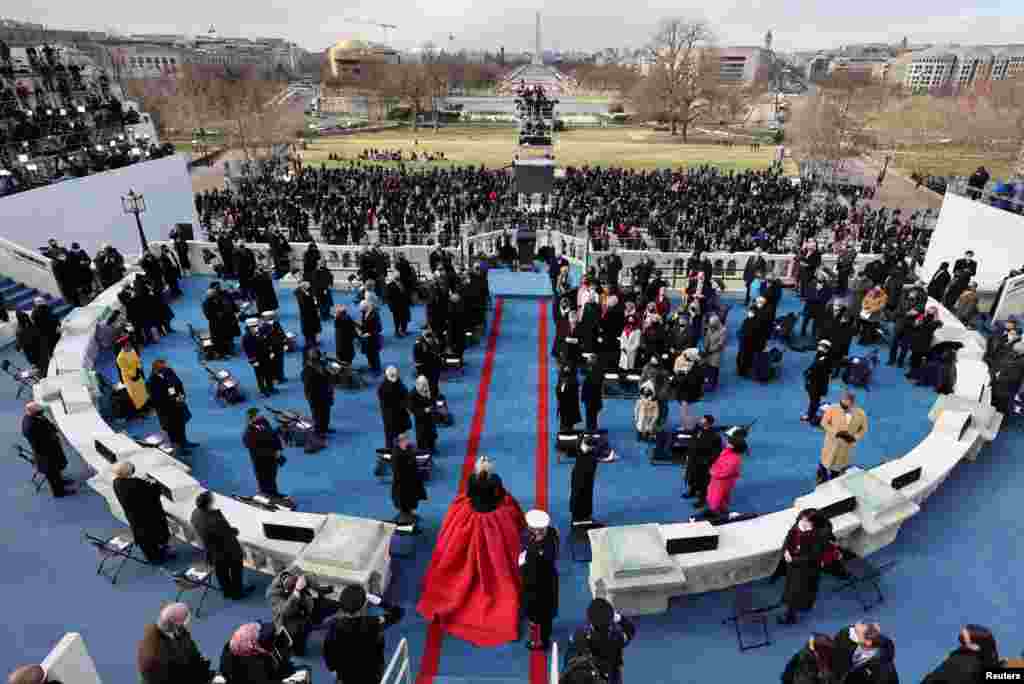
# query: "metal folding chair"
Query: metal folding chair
{"points": [[116, 549], [745, 615], [864, 572], [26, 454], [26, 378], [198, 577]]}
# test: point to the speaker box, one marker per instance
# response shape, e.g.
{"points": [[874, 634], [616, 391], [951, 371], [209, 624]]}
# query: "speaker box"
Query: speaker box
{"points": [[906, 478], [847, 505], [691, 538]]}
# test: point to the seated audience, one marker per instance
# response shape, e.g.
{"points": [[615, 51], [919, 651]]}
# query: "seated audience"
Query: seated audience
{"points": [[167, 653]]}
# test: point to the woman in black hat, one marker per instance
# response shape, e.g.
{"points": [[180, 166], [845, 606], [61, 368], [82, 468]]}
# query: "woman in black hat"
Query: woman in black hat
{"points": [[354, 648]]}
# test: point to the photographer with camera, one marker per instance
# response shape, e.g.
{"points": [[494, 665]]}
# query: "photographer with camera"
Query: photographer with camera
{"points": [[595, 651], [354, 649], [298, 604], [265, 448]]}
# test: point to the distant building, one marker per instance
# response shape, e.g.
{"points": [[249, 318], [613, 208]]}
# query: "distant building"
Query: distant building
{"points": [[743, 65], [962, 67], [350, 88]]}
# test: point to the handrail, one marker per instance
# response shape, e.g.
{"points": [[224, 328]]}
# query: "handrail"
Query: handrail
{"points": [[554, 662], [401, 656]]}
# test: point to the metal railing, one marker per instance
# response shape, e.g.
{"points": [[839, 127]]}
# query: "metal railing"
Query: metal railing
{"points": [[400, 666], [554, 662]]}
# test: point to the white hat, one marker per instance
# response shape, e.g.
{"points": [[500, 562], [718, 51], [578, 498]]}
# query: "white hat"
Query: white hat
{"points": [[268, 314], [252, 322], [538, 520]]}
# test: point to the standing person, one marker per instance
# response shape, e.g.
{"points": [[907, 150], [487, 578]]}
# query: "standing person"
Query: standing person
{"points": [[426, 355], [130, 367], [755, 268], [921, 336], [356, 632], [263, 291], [323, 281], [629, 343], [407, 488], [592, 393], [370, 330], [844, 426], [705, 446], [393, 398], [568, 394], [277, 341], [318, 390], [802, 553], [168, 654], [538, 563], [222, 547], [581, 482], [309, 315], [816, 380], [725, 472], [421, 405], [939, 282], [715, 338], [265, 449], [689, 386], [605, 637], [749, 340], [142, 505], [168, 397], [257, 351], [345, 334], [863, 655], [399, 301], [812, 664], [967, 664], [44, 439]]}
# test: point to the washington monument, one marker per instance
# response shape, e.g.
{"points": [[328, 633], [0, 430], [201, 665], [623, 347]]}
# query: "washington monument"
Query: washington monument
{"points": [[538, 54]]}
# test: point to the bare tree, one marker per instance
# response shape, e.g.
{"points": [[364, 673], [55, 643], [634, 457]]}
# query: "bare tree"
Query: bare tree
{"points": [[683, 81], [832, 125]]}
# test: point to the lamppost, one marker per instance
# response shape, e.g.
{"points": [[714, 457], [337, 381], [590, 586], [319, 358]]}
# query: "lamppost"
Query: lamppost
{"points": [[135, 203]]}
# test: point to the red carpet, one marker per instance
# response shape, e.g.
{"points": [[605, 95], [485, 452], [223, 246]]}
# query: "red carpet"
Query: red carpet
{"points": [[539, 659], [435, 634]]}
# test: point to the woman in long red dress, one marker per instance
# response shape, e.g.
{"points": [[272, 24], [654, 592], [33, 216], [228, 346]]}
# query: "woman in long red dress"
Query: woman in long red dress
{"points": [[472, 583]]}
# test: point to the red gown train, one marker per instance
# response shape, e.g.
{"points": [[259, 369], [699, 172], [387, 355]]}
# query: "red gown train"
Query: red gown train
{"points": [[472, 583]]}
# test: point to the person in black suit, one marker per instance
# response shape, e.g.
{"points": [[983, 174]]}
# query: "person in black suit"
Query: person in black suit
{"points": [[604, 637], [44, 439], [705, 446], [592, 393], [567, 393], [394, 406], [319, 393], [399, 301], [271, 329], [538, 563], [426, 354], [863, 655], [756, 268], [370, 329], [354, 647], [257, 350], [939, 282], [581, 481], [407, 488], [222, 547], [263, 291], [967, 664], [140, 500], [167, 396], [345, 334], [265, 448], [816, 380], [309, 314]]}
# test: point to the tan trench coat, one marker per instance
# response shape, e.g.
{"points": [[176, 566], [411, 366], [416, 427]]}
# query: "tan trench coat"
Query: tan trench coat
{"points": [[835, 454]]}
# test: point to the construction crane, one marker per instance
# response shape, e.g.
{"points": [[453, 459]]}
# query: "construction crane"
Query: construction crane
{"points": [[386, 28]]}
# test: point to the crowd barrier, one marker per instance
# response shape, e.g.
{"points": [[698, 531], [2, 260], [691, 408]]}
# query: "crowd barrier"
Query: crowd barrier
{"points": [[70, 663], [344, 550], [632, 567]]}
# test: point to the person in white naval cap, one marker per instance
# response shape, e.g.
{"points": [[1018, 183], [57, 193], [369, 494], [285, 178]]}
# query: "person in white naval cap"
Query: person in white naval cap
{"points": [[257, 351], [538, 565]]}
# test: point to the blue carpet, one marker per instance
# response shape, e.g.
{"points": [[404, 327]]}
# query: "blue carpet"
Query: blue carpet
{"points": [[528, 284], [956, 558]]}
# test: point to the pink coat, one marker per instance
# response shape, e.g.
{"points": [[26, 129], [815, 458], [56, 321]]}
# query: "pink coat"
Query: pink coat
{"points": [[724, 473]]}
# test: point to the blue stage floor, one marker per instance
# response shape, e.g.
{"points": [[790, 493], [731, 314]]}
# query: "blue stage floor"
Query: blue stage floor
{"points": [[958, 558], [519, 285]]}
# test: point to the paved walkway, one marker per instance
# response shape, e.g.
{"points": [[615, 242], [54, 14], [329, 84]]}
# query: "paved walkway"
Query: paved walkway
{"points": [[898, 191]]}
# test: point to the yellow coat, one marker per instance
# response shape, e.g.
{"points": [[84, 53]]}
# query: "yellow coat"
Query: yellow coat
{"points": [[130, 365], [835, 455]]}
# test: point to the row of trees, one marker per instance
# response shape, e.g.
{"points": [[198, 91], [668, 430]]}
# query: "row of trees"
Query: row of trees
{"points": [[249, 110]]}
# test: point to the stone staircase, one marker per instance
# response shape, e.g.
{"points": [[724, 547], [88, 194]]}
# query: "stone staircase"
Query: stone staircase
{"points": [[18, 297]]}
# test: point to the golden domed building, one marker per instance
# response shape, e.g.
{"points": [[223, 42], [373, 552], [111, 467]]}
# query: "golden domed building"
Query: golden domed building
{"points": [[348, 85]]}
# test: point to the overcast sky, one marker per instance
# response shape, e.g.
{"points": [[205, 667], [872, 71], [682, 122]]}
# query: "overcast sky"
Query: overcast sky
{"points": [[568, 24]]}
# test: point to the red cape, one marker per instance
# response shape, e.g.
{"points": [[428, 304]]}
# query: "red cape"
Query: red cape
{"points": [[472, 582]]}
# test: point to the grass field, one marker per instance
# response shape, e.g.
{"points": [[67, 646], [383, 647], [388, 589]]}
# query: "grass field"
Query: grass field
{"points": [[952, 160], [636, 148]]}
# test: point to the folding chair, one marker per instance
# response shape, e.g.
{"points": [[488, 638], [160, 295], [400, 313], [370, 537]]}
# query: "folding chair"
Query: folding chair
{"points": [[198, 577], [26, 454], [120, 545], [862, 571], [26, 378], [745, 615]]}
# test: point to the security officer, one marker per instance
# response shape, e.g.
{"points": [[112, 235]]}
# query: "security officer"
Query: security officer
{"points": [[167, 395], [265, 448], [426, 354], [319, 392], [257, 351], [538, 565], [277, 341]]}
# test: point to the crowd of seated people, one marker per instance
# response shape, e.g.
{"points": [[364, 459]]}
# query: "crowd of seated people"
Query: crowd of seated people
{"points": [[60, 119], [346, 203], [374, 154]]}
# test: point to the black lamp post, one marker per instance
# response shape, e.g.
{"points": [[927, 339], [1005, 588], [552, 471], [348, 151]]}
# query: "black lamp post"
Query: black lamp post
{"points": [[135, 203]]}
